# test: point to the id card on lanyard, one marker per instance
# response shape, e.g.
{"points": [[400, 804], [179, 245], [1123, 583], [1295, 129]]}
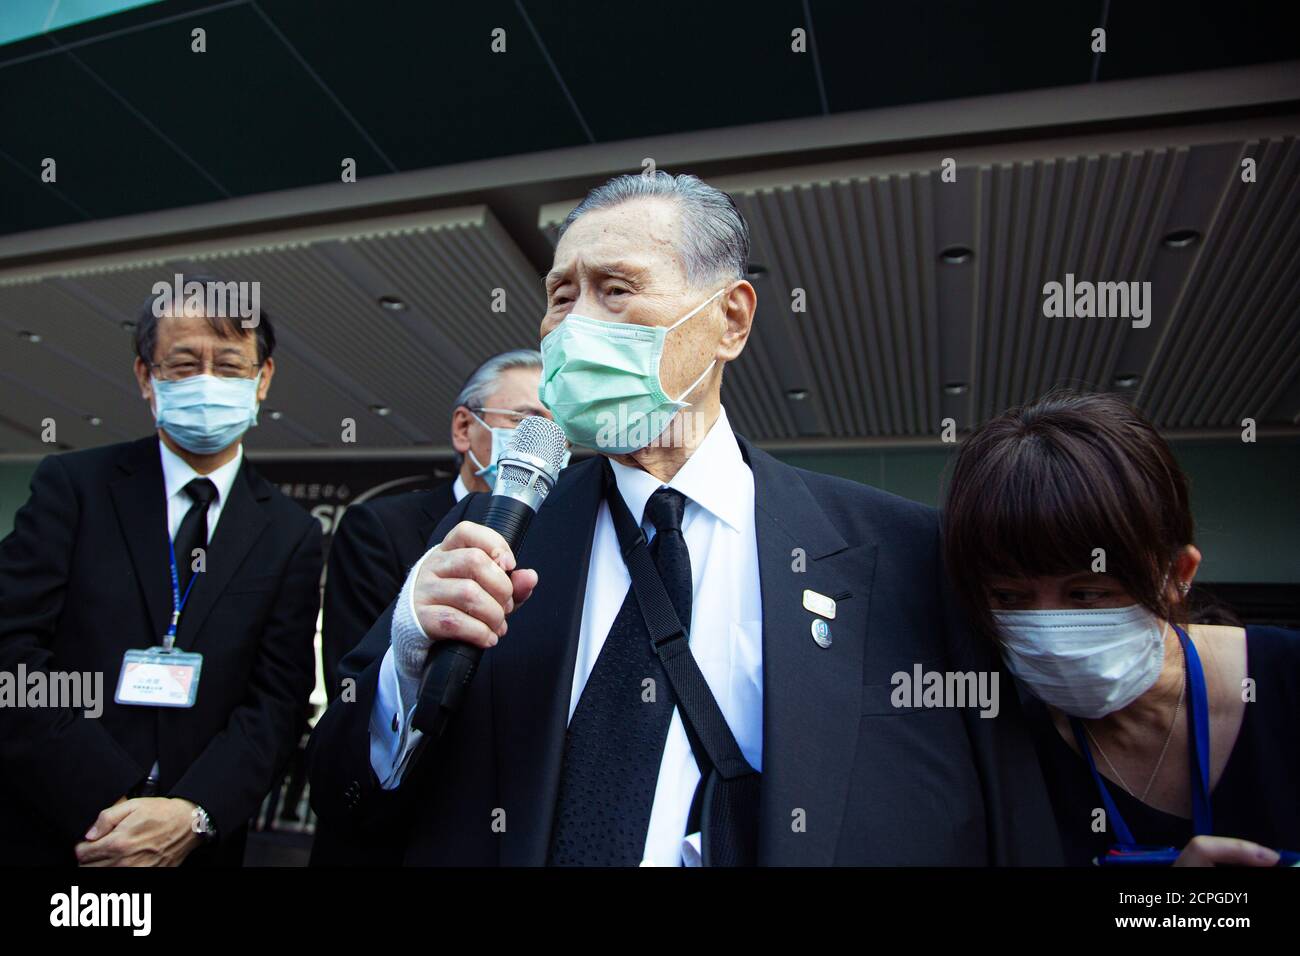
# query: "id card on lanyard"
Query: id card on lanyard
{"points": [[1127, 851], [162, 676]]}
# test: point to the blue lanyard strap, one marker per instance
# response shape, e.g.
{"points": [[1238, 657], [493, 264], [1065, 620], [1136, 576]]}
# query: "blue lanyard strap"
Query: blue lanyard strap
{"points": [[1123, 835], [1198, 745], [178, 601]]}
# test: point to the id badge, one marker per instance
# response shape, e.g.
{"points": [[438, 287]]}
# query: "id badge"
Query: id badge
{"points": [[159, 678]]}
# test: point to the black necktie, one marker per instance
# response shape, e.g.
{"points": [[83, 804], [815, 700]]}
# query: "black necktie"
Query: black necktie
{"points": [[193, 532], [615, 740]]}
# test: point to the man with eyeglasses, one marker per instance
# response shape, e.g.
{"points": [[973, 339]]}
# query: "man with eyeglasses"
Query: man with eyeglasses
{"points": [[377, 542], [188, 587]]}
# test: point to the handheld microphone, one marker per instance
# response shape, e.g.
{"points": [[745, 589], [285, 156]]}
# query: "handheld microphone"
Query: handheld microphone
{"points": [[526, 473]]}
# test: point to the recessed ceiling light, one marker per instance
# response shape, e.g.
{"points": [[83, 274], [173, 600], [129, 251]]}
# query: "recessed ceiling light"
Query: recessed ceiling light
{"points": [[392, 303], [128, 326], [32, 337], [1127, 380], [956, 255], [275, 415], [94, 420], [381, 410], [956, 388], [1181, 238], [797, 394]]}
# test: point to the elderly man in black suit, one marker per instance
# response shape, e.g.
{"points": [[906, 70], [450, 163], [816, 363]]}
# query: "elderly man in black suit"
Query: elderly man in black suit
{"points": [[753, 716]]}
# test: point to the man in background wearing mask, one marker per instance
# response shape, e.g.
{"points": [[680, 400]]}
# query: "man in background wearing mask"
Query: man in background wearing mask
{"points": [[376, 542], [170, 570], [759, 724]]}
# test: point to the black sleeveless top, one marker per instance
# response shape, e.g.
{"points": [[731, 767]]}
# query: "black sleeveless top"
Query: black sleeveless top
{"points": [[1257, 797]]}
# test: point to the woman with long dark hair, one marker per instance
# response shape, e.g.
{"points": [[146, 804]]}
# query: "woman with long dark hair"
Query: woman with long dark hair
{"points": [[1068, 534]]}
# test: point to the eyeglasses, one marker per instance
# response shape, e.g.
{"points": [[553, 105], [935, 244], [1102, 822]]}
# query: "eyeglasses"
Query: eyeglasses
{"points": [[173, 370], [514, 415]]}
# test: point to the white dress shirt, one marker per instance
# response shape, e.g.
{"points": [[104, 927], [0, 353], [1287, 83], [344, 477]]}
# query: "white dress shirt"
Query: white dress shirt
{"points": [[177, 474], [726, 629]]}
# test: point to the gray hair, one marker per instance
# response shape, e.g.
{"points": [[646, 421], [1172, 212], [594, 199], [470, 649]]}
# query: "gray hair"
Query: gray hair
{"points": [[715, 239], [483, 381]]}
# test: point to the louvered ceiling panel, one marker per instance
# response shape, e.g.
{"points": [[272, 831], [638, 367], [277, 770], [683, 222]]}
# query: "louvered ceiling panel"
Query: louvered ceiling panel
{"points": [[775, 364], [329, 326], [867, 340], [454, 274], [1097, 218], [785, 242], [1234, 342], [72, 329], [31, 399], [756, 404], [79, 370]]}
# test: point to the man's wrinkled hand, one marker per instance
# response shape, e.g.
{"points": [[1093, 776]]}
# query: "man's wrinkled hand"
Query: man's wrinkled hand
{"points": [[469, 585], [148, 831]]}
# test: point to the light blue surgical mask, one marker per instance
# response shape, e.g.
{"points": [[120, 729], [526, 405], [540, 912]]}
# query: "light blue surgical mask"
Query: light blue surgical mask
{"points": [[500, 441], [601, 381], [206, 413], [501, 438]]}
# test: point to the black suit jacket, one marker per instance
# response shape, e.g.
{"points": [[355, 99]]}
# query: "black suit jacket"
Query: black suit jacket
{"points": [[372, 551], [847, 778], [84, 577]]}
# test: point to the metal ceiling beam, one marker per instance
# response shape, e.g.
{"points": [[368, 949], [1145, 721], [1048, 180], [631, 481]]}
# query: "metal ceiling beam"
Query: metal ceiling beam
{"points": [[1115, 102]]}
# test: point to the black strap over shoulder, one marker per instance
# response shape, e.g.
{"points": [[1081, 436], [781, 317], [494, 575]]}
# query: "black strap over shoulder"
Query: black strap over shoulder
{"points": [[727, 802]]}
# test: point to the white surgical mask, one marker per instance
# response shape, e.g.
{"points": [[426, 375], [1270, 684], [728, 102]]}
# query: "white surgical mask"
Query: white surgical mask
{"points": [[1088, 663]]}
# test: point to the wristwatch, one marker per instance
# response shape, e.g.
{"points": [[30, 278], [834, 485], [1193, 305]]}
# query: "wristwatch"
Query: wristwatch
{"points": [[202, 824]]}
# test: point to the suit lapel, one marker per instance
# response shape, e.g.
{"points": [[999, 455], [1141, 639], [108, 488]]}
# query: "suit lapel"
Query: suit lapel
{"points": [[532, 667], [140, 500], [437, 503], [811, 695], [239, 526]]}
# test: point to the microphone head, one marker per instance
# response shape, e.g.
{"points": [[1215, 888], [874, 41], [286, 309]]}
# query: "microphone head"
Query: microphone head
{"points": [[530, 465]]}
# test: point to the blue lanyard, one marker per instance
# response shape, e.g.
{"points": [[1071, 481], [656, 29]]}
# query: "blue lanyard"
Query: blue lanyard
{"points": [[1198, 746], [178, 601]]}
